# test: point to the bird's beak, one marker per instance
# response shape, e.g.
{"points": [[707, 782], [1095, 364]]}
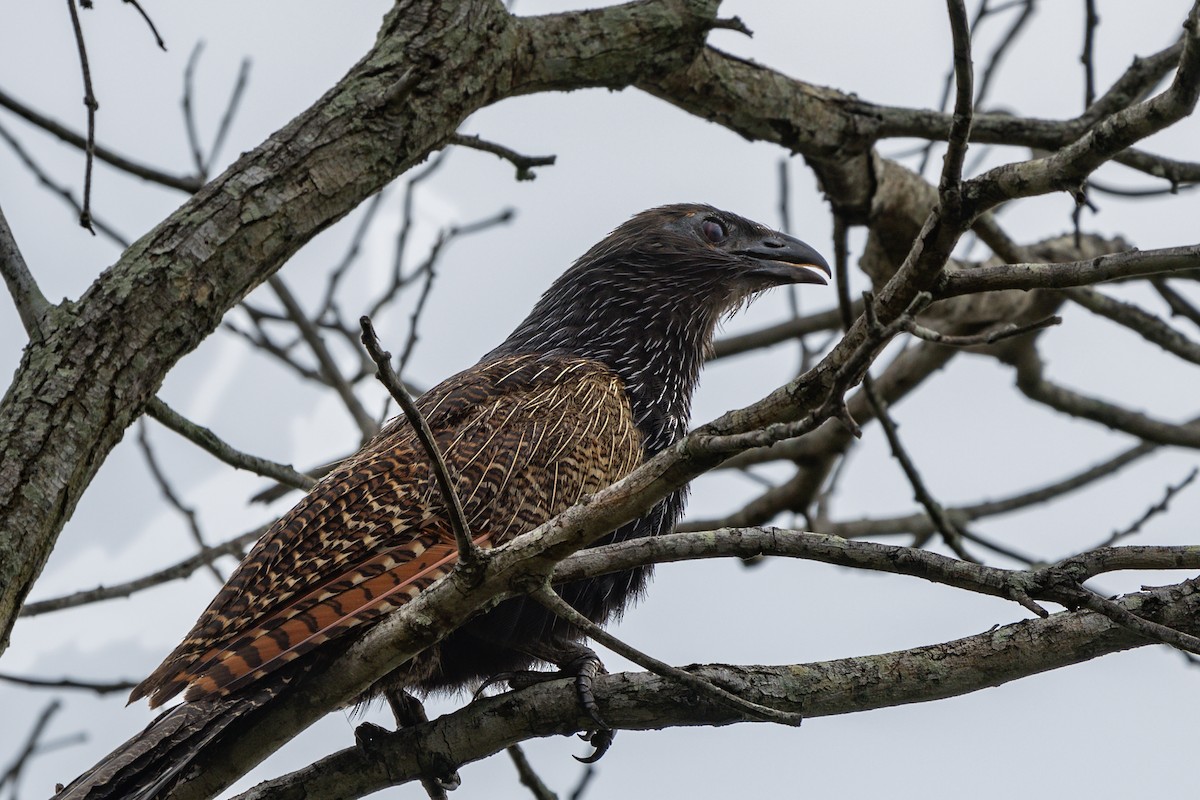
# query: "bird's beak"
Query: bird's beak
{"points": [[787, 260]]}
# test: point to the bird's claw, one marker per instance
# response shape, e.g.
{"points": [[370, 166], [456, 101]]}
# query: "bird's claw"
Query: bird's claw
{"points": [[584, 670], [601, 740], [499, 677], [368, 734]]}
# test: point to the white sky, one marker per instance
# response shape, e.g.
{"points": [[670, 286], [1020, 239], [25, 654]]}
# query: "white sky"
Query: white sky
{"points": [[1063, 733]]}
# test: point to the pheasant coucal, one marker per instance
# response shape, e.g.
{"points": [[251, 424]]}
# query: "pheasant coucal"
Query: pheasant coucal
{"points": [[598, 378]]}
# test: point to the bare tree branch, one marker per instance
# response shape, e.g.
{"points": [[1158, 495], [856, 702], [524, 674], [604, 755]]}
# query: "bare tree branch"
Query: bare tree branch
{"points": [[1034, 385], [1145, 324], [89, 100], [328, 367], [12, 773], [209, 441], [31, 304], [469, 553], [643, 701], [187, 184], [99, 687], [919, 524], [524, 164], [164, 485], [58, 189], [529, 777], [234, 547], [1153, 511], [1133, 264]]}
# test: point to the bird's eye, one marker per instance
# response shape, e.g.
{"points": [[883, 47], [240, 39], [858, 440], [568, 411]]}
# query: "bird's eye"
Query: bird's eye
{"points": [[713, 231]]}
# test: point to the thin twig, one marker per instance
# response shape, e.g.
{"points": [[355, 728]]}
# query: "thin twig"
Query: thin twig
{"points": [[1141, 322], [920, 524], [406, 226], [469, 553], [187, 184], [234, 547], [793, 291], [841, 260], [12, 774], [990, 337], [547, 597], [997, 56], [429, 269], [1151, 630], [89, 100], [585, 780], [99, 687], [1032, 382], [960, 127], [951, 534], [235, 99], [209, 441], [732, 24], [329, 368], [189, 116], [149, 22], [1117, 191], [164, 486], [353, 250], [1160, 507], [58, 189], [1179, 305], [414, 321], [1091, 20], [528, 776], [782, 332], [524, 164]]}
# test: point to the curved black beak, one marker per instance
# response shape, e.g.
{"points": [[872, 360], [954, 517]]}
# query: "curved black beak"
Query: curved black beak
{"points": [[787, 260]]}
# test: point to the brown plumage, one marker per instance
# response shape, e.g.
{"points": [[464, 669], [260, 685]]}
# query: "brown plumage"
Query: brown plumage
{"points": [[598, 378], [526, 437]]}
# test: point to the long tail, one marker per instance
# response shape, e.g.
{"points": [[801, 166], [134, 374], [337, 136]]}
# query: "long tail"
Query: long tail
{"points": [[153, 762]]}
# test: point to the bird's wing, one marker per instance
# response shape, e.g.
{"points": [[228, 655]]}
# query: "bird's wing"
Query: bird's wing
{"points": [[525, 438]]}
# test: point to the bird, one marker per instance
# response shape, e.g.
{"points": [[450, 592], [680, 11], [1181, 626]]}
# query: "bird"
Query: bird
{"points": [[597, 379]]}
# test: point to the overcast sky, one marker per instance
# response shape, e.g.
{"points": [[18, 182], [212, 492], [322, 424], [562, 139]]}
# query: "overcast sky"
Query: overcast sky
{"points": [[1115, 727]]}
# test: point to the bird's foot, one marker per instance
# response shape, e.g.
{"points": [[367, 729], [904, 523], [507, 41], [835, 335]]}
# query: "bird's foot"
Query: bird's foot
{"points": [[583, 668], [408, 712], [368, 734]]}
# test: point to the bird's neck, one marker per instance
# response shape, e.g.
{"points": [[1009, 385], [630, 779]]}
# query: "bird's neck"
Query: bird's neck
{"points": [[657, 354]]}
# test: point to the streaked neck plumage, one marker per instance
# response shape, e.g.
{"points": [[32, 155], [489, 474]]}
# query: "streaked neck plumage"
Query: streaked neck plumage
{"points": [[653, 333]]}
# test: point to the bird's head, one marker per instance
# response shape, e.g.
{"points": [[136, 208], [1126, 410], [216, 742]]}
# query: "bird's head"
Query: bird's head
{"points": [[664, 279], [687, 257], [692, 243]]}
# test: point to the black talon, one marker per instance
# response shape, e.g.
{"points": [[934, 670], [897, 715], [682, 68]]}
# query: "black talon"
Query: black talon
{"points": [[601, 740], [368, 734], [506, 677], [583, 666], [585, 669]]}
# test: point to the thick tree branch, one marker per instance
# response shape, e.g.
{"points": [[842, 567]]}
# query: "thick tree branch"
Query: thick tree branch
{"points": [[1118, 266], [640, 701], [31, 304]]}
